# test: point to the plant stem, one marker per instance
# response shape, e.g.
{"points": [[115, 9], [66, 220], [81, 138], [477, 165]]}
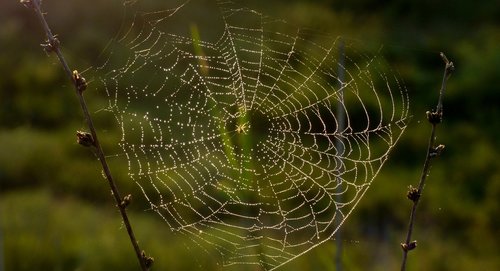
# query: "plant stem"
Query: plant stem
{"points": [[414, 194], [80, 85]]}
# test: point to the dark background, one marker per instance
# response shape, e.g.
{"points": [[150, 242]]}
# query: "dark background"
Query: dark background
{"points": [[56, 212]]}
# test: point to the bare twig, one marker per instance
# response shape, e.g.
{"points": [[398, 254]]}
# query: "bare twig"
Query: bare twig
{"points": [[434, 117], [86, 139]]}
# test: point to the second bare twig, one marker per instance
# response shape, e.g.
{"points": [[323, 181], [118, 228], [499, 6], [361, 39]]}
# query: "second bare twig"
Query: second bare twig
{"points": [[434, 117]]}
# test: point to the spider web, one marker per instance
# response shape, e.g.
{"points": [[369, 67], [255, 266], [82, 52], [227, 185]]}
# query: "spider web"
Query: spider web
{"points": [[234, 139]]}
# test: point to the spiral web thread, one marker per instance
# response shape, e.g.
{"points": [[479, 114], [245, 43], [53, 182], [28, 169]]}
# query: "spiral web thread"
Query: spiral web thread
{"points": [[235, 143]]}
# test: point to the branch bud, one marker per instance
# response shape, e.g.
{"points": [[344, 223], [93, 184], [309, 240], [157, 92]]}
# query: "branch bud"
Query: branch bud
{"points": [[126, 201], [148, 261], [27, 3], [434, 117], [410, 246], [413, 194], [435, 152], [51, 45], [85, 139], [80, 82]]}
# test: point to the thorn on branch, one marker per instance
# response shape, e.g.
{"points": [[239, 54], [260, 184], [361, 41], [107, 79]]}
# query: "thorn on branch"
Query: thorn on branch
{"points": [[80, 82], [126, 201], [410, 246], [85, 139], [148, 261], [436, 151], [434, 117], [413, 194]]}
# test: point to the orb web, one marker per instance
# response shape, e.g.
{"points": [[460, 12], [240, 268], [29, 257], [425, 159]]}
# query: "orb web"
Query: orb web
{"points": [[234, 138]]}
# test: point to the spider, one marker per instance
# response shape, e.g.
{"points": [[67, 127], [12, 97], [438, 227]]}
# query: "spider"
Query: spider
{"points": [[242, 128]]}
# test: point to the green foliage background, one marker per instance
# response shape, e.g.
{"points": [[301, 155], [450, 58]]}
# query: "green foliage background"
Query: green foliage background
{"points": [[55, 209]]}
